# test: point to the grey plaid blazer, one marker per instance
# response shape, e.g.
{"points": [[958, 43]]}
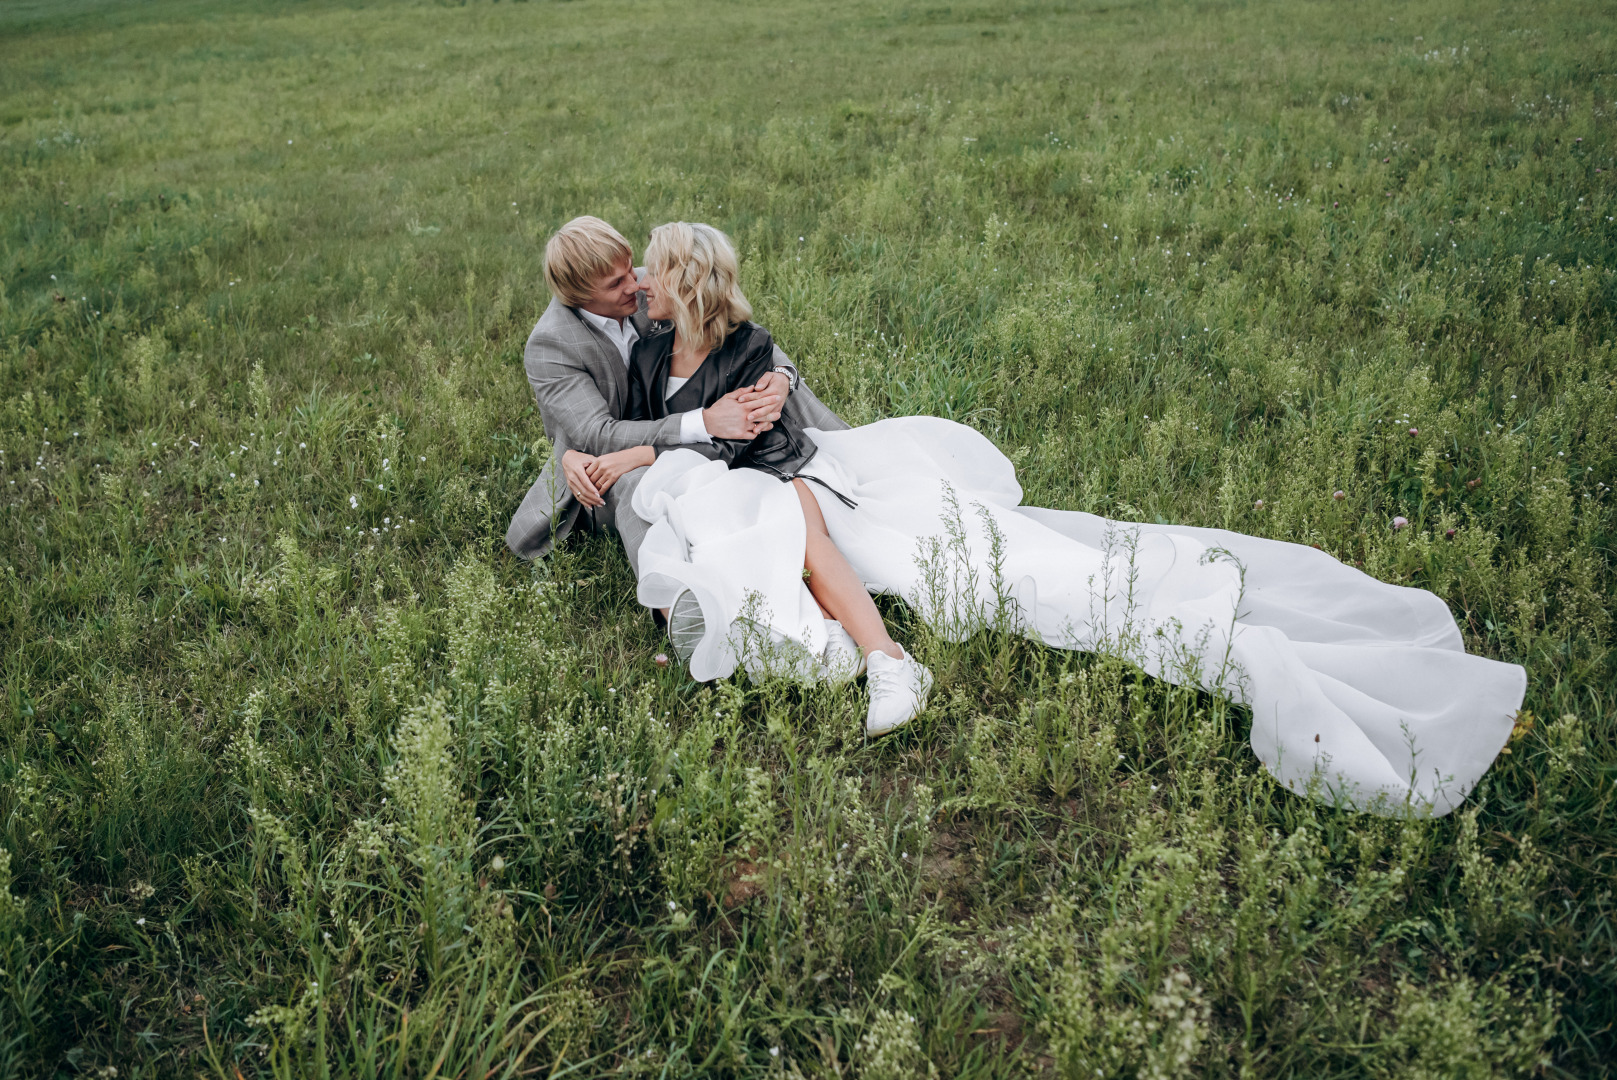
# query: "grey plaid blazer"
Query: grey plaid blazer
{"points": [[582, 387]]}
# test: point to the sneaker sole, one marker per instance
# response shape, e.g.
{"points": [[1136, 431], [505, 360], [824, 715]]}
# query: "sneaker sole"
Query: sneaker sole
{"points": [[686, 626]]}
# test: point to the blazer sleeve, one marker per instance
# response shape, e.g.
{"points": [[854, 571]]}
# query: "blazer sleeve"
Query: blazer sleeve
{"points": [[781, 360], [574, 409]]}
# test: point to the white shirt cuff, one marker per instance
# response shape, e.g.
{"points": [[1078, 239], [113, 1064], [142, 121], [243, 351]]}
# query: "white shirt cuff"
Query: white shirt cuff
{"points": [[692, 430]]}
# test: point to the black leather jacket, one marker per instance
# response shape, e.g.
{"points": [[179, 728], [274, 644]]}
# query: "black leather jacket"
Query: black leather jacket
{"points": [[745, 357]]}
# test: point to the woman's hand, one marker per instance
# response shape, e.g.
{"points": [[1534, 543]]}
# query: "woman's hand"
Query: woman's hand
{"points": [[606, 470]]}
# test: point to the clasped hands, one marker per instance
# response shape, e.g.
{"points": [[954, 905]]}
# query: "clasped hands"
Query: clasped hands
{"points": [[740, 414]]}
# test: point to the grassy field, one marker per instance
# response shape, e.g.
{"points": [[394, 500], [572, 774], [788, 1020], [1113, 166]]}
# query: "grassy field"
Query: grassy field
{"points": [[302, 774]]}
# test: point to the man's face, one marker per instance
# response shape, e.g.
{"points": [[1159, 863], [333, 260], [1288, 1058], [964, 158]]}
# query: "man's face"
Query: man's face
{"points": [[613, 296]]}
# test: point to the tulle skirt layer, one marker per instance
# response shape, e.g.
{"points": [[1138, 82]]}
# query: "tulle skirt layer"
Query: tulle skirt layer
{"points": [[1360, 691]]}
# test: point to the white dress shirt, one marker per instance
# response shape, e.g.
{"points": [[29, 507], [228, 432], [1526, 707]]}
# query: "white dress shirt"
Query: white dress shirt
{"points": [[623, 335]]}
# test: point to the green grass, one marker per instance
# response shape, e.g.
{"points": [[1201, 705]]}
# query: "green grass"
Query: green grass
{"points": [[302, 774]]}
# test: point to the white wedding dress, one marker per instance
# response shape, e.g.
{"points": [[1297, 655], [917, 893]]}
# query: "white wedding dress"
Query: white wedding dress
{"points": [[1361, 692]]}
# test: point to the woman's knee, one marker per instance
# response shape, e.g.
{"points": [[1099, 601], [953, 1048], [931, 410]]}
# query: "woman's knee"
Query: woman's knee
{"points": [[817, 546], [811, 508]]}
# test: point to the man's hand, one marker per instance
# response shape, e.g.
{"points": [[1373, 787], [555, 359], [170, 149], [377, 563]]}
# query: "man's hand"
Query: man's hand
{"points": [[766, 399], [607, 469], [575, 468], [728, 418]]}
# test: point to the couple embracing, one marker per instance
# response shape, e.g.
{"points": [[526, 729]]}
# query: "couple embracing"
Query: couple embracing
{"points": [[759, 524], [627, 365]]}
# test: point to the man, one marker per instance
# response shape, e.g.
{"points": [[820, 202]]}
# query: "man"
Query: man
{"points": [[577, 362]]}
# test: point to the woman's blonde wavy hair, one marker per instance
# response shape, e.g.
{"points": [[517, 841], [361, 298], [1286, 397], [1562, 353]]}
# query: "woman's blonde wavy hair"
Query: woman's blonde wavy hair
{"points": [[695, 267]]}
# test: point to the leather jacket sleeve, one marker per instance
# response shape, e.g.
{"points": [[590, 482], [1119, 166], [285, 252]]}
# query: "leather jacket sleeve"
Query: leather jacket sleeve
{"points": [[746, 369]]}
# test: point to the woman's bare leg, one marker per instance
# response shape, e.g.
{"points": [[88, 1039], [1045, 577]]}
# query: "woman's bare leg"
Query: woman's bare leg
{"points": [[836, 587]]}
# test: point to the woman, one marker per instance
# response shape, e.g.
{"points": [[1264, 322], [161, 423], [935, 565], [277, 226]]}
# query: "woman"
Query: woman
{"points": [[709, 350], [1361, 692]]}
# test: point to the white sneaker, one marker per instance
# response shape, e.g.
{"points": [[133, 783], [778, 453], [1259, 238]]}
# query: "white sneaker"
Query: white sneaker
{"points": [[898, 690], [685, 625], [842, 660]]}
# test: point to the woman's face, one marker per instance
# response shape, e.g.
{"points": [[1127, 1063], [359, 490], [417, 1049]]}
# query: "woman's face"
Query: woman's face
{"points": [[657, 306]]}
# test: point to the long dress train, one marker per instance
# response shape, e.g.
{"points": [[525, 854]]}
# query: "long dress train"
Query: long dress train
{"points": [[1360, 691]]}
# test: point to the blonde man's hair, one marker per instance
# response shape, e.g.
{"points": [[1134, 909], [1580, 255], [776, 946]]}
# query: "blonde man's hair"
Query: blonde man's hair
{"points": [[696, 269], [581, 253]]}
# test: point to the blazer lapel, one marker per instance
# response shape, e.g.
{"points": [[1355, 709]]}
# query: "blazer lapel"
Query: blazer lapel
{"points": [[606, 365]]}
